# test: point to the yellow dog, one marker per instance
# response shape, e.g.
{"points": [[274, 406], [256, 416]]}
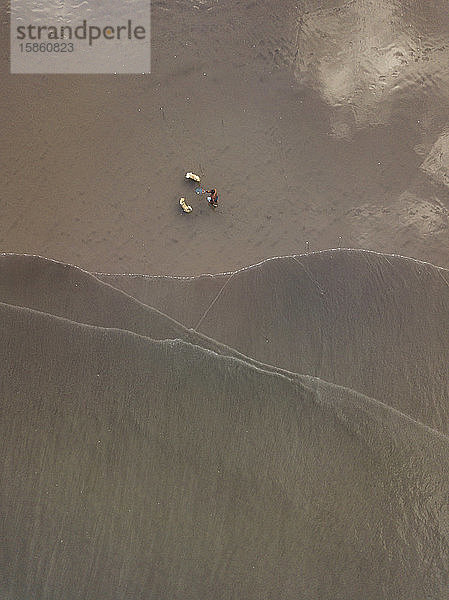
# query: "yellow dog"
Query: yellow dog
{"points": [[185, 207]]}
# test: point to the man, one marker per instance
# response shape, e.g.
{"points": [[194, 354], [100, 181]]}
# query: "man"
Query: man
{"points": [[213, 198]]}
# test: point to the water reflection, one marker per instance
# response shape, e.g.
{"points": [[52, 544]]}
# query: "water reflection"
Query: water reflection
{"points": [[366, 56]]}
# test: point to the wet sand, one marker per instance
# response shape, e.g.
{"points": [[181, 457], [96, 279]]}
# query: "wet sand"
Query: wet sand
{"points": [[179, 422], [305, 141]]}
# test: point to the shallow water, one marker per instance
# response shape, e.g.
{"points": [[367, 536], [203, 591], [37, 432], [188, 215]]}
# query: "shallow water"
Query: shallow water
{"points": [[135, 468]]}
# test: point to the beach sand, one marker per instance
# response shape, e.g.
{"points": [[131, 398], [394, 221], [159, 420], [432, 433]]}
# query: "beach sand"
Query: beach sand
{"points": [[93, 166], [242, 403]]}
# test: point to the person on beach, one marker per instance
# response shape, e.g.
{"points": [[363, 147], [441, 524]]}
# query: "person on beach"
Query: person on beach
{"points": [[213, 197]]}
